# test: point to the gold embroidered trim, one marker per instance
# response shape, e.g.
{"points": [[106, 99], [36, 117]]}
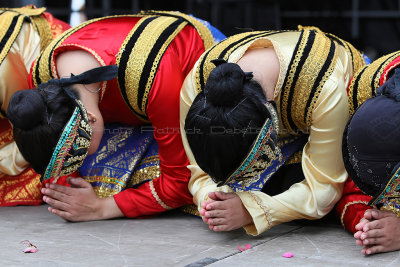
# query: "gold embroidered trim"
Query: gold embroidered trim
{"points": [[367, 80], [155, 195], [139, 57], [43, 29], [389, 206], [347, 205], [295, 158], [6, 21], [266, 212], [206, 66], [203, 31], [283, 104], [42, 64]]}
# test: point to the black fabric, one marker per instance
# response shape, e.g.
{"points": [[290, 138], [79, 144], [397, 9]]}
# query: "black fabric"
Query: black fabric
{"points": [[95, 75], [284, 178], [371, 146]]}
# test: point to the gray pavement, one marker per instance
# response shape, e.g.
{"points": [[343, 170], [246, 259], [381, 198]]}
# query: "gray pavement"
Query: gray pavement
{"points": [[173, 239]]}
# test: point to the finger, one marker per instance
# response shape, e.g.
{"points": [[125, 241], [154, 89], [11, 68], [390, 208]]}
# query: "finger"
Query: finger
{"points": [[63, 214], [224, 196], [221, 228], [216, 221], [213, 196], [202, 212], [54, 194], [379, 214], [357, 235], [55, 203], [217, 205], [78, 182], [207, 202], [60, 188], [372, 234], [359, 242], [361, 224], [377, 224], [214, 214], [371, 241], [374, 249]]}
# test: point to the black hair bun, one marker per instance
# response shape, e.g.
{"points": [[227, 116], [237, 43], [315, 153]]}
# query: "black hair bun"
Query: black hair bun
{"points": [[26, 109], [225, 84]]}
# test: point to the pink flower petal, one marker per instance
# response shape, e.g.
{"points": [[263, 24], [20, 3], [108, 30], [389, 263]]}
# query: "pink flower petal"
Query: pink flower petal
{"points": [[248, 246], [30, 249], [241, 249], [288, 255]]}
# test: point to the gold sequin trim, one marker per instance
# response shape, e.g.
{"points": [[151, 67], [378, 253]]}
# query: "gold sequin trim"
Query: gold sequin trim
{"points": [[389, 206], [155, 195], [347, 205], [266, 212]]}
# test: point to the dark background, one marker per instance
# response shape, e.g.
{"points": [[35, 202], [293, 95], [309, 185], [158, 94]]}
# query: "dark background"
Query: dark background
{"points": [[373, 26]]}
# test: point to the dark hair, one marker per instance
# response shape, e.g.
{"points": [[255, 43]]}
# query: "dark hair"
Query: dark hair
{"points": [[225, 119], [38, 117]]}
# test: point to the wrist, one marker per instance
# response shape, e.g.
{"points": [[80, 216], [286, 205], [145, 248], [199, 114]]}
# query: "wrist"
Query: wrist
{"points": [[107, 208]]}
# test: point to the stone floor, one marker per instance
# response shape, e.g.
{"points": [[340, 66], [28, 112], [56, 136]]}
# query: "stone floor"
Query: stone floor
{"points": [[172, 239]]}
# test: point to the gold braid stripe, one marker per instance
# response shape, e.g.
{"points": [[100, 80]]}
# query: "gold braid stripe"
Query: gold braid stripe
{"points": [[139, 56], [234, 42], [42, 68], [283, 105], [11, 21], [357, 57], [347, 205], [155, 195], [317, 62], [365, 82], [266, 212], [203, 31], [44, 30], [307, 79]]}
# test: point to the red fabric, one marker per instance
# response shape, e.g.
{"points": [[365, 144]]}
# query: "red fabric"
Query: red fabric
{"points": [[351, 207], [391, 66], [57, 26], [105, 38]]}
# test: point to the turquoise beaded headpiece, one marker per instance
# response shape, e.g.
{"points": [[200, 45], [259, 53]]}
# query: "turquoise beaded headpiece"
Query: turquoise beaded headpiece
{"points": [[263, 151], [73, 145], [74, 142]]}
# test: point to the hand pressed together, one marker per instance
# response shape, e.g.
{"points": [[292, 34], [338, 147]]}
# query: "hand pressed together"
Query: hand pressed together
{"points": [[79, 202], [378, 231], [225, 212]]}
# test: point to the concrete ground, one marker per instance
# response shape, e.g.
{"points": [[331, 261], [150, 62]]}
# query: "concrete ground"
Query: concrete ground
{"points": [[172, 239]]}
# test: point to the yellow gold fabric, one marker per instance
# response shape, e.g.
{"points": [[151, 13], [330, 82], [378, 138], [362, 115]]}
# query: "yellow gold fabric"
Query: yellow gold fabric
{"points": [[325, 119], [15, 67]]}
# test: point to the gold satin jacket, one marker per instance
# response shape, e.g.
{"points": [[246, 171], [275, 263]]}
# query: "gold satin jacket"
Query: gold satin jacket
{"points": [[315, 69]]}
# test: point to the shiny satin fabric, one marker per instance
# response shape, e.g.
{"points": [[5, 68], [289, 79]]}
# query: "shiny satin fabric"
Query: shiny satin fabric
{"points": [[19, 184], [105, 38], [321, 159]]}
